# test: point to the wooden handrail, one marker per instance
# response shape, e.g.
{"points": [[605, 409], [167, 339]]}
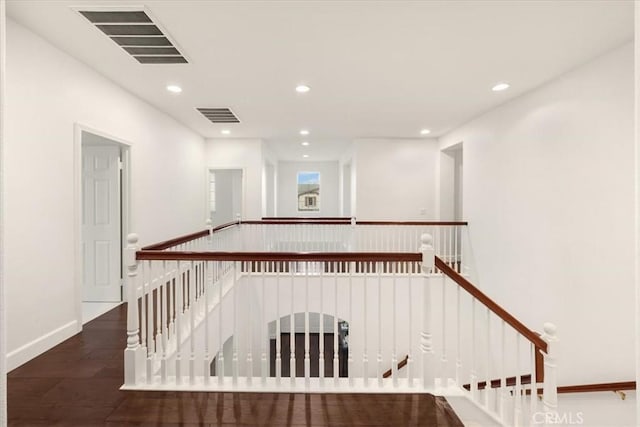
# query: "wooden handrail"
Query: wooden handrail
{"points": [[298, 221], [491, 305], [401, 364], [411, 223], [279, 256], [585, 388], [288, 220], [304, 218], [186, 238]]}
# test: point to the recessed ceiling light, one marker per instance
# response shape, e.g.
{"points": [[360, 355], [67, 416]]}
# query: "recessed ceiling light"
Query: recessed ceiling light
{"points": [[304, 132], [225, 132], [305, 155], [500, 87], [174, 88], [425, 132], [305, 143], [302, 88]]}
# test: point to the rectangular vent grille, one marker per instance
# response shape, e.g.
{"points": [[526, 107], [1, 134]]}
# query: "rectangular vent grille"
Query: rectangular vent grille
{"points": [[137, 34], [219, 115]]}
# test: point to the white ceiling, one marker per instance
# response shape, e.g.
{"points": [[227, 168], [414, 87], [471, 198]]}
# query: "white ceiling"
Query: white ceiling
{"points": [[376, 69]]}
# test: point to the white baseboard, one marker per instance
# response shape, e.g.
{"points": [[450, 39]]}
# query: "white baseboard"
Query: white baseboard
{"points": [[38, 346]]}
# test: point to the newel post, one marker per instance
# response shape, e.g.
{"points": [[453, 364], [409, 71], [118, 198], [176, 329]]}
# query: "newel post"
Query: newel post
{"points": [[550, 385], [209, 224], [426, 338], [133, 327]]}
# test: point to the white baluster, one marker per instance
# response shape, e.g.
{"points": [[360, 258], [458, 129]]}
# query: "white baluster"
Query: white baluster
{"points": [[264, 332], [321, 363], [131, 370], [550, 388], [148, 298], [474, 361], [220, 368], [394, 332], [517, 417], [487, 387], [379, 371], [165, 322], [208, 286], [336, 332], [307, 360], [179, 311], [191, 288], [292, 334], [248, 267], [278, 327], [443, 357], [426, 342], [503, 377], [410, 355], [234, 361], [534, 385], [351, 267], [458, 337]]}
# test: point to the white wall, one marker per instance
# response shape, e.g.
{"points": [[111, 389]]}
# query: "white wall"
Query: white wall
{"points": [[395, 179], [47, 94], [288, 188], [245, 154], [3, 318], [549, 196]]}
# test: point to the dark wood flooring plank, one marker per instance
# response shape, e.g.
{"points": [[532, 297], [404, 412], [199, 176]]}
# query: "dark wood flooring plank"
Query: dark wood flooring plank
{"points": [[77, 384]]}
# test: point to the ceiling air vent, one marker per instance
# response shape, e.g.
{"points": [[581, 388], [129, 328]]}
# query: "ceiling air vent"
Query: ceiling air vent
{"points": [[219, 115], [137, 34]]}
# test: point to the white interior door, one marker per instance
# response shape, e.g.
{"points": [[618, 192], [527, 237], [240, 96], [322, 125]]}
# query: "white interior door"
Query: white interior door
{"points": [[101, 223], [225, 189]]}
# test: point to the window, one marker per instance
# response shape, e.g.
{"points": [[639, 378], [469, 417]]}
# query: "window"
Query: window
{"points": [[308, 191]]}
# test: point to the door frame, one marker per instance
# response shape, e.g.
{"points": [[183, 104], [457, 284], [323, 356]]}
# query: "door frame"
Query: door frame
{"points": [[208, 169], [125, 205]]}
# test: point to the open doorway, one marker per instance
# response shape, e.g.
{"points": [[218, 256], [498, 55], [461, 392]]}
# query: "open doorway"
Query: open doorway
{"points": [[451, 183], [225, 191], [103, 186]]}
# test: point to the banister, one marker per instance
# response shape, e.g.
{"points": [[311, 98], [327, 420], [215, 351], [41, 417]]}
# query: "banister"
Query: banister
{"points": [[491, 305], [427, 223], [186, 238], [296, 221], [294, 218], [278, 256]]}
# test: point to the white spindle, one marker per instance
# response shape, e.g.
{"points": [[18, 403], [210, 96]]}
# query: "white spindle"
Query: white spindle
{"points": [[321, 362], [178, 321], [278, 327], [517, 414], [351, 267], [248, 267], [336, 332], [292, 334], [191, 288], [264, 331], [234, 361], [534, 385], [365, 354], [148, 298], [458, 337], [503, 377], [487, 387], [208, 285], [220, 367], [474, 361], [394, 332], [443, 324], [166, 288], [410, 355], [307, 360]]}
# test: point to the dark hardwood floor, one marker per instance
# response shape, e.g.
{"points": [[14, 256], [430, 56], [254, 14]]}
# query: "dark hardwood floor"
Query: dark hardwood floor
{"points": [[77, 384]]}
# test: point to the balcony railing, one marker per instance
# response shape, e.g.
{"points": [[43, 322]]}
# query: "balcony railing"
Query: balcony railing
{"points": [[328, 306]]}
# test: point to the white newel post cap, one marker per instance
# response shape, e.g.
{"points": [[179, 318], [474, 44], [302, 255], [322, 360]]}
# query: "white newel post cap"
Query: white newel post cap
{"points": [[353, 221], [208, 222], [132, 247], [427, 251], [550, 331]]}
